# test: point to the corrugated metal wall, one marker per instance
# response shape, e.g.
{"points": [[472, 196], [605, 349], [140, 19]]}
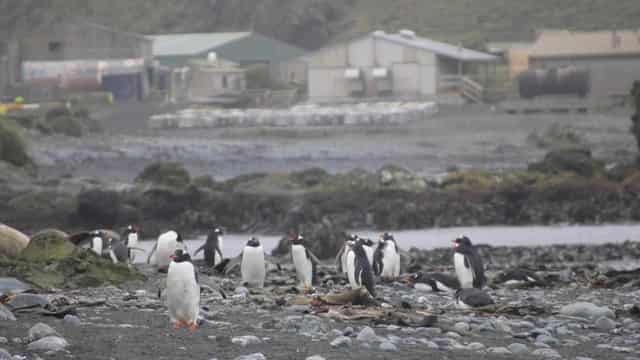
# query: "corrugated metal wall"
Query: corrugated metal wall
{"points": [[413, 72]]}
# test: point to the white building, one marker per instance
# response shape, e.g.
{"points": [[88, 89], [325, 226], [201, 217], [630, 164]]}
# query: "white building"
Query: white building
{"points": [[399, 65]]}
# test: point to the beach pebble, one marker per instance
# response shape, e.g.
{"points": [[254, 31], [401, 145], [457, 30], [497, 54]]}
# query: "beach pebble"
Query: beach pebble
{"points": [[341, 341], [48, 344], [605, 324], [72, 320], [315, 357], [348, 331], [461, 327], [388, 346], [517, 348], [547, 354], [256, 356], [546, 339], [586, 310], [367, 335], [4, 354], [499, 351], [6, 314], [41, 330], [246, 340], [476, 346], [3, 340]]}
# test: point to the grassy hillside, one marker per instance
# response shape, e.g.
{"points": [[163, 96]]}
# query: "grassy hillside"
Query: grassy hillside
{"points": [[312, 23]]}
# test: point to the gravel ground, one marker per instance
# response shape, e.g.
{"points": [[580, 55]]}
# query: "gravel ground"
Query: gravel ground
{"points": [[133, 325]]}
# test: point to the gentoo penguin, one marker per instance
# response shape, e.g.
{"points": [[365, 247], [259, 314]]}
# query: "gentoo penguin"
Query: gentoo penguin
{"points": [[304, 261], [183, 291], [468, 298], [369, 249], [358, 270], [253, 268], [130, 237], [386, 261], [341, 258], [97, 242], [212, 248], [518, 277], [468, 264], [438, 281], [165, 247]]}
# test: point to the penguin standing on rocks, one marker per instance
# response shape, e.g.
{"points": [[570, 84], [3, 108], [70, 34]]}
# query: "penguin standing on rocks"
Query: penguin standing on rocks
{"points": [[358, 270], [183, 291], [369, 249], [212, 248], [341, 258], [253, 268], [97, 242], [468, 264], [165, 247], [439, 282], [386, 261], [131, 241], [304, 261], [469, 298]]}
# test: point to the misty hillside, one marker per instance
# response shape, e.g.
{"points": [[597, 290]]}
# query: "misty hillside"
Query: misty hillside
{"points": [[313, 23]]}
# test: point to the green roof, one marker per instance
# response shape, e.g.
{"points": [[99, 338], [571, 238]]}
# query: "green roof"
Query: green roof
{"points": [[244, 48], [191, 44]]}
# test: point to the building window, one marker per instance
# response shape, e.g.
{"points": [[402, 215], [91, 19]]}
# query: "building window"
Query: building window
{"points": [[55, 46], [224, 81]]}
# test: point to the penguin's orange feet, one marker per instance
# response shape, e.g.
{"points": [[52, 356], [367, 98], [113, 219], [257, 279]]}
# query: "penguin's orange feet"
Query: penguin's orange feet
{"points": [[192, 326], [177, 324]]}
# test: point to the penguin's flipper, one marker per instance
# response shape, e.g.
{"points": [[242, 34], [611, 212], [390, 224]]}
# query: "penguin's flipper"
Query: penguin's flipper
{"points": [[219, 251], [153, 250], [474, 262], [377, 261], [338, 259], [311, 256], [273, 261], [233, 263], [137, 248], [113, 256], [364, 274], [199, 249]]}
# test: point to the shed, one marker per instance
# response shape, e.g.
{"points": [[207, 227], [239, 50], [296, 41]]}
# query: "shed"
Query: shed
{"points": [[401, 65], [242, 48], [611, 57]]}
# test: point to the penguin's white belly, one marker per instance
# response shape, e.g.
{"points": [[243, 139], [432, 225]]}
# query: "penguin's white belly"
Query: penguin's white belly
{"points": [[390, 262], [444, 287], [216, 256], [253, 268], [132, 242], [303, 265], [465, 275], [96, 245], [369, 250], [462, 305], [167, 245], [183, 293], [351, 271]]}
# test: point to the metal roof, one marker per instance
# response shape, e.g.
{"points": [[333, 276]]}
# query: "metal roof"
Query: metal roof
{"points": [[192, 44], [443, 49]]}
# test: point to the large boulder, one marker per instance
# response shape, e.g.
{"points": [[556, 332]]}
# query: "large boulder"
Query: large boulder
{"points": [[48, 245], [324, 239], [167, 173], [12, 146], [398, 178], [576, 160], [12, 241]]}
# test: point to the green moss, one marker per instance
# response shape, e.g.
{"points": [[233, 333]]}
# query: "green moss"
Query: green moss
{"points": [[470, 180], [168, 173], [48, 245], [13, 148]]}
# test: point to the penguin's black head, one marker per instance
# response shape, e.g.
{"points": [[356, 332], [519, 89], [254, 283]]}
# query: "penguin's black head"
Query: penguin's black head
{"points": [[218, 231], [352, 237], [368, 242], [462, 241], [297, 239], [131, 229], [253, 242], [179, 238], [387, 236], [180, 256]]}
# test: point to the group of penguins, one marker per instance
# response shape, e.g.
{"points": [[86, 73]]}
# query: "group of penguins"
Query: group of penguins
{"points": [[360, 260]]}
